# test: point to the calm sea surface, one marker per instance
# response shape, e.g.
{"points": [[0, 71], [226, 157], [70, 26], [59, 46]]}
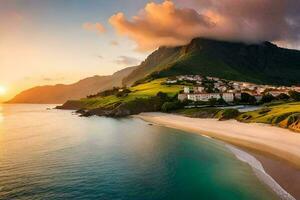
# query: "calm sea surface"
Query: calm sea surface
{"points": [[53, 155]]}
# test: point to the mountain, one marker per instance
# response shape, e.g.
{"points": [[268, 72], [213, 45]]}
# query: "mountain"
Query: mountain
{"points": [[61, 93], [263, 63], [259, 63]]}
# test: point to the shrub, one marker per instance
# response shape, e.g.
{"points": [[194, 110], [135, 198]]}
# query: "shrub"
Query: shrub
{"points": [[162, 95], [293, 118], [264, 111], [280, 118], [283, 96], [139, 105], [123, 93], [221, 101], [170, 106], [266, 98], [247, 98], [212, 101], [294, 95], [229, 114]]}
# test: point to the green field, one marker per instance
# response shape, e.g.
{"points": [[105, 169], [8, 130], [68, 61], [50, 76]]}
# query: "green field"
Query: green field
{"points": [[285, 115], [144, 90], [271, 114]]}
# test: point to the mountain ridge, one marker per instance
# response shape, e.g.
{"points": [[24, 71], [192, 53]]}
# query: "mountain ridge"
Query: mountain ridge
{"points": [[259, 63], [263, 63], [60, 93]]}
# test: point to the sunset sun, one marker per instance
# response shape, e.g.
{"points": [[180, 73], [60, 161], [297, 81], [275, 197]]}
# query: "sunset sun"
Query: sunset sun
{"points": [[2, 90]]}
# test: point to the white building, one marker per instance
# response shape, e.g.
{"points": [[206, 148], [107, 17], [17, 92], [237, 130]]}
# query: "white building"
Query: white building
{"points": [[238, 95], [203, 96], [228, 97], [182, 97], [260, 90], [258, 97], [186, 90], [296, 88], [223, 89], [171, 81], [199, 89]]}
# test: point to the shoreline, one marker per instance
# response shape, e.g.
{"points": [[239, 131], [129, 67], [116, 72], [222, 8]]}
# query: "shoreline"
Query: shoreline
{"points": [[277, 149], [259, 171]]}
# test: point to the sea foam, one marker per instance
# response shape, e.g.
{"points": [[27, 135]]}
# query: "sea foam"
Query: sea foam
{"points": [[260, 172]]}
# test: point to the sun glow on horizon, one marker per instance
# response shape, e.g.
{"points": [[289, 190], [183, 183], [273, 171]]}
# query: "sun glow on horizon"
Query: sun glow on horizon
{"points": [[3, 90]]}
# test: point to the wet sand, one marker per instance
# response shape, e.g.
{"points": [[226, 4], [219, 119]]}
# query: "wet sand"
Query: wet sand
{"points": [[285, 174]]}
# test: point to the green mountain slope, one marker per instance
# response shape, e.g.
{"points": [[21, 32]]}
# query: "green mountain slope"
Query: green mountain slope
{"points": [[258, 63]]}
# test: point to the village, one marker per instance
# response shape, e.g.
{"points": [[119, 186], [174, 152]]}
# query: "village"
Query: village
{"points": [[201, 88]]}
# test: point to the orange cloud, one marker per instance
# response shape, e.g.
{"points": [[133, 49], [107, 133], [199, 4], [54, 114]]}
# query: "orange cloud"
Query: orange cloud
{"points": [[161, 25], [114, 43], [95, 27], [251, 21]]}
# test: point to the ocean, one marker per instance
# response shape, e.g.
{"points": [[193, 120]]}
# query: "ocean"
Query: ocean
{"points": [[54, 154]]}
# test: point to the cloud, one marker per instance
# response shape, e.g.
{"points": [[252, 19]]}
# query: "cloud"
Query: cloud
{"points": [[11, 21], [94, 27], [44, 78], [52, 79], [114, 43], [161, 24], [250, 21], [126, 60], [253, 20]]}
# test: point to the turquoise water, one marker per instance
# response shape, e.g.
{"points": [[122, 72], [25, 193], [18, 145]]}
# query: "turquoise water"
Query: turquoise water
{"points": [[52, 154]]}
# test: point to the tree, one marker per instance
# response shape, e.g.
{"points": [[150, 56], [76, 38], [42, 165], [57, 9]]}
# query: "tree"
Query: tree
{"points": [[221, 101], [162, 95], [229, 114], [266, 98], [212, 101], [169, 106], [283, 96], [247, 98], [294, 95]]}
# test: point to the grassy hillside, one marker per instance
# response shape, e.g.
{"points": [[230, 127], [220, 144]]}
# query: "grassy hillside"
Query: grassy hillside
{"points": [[286, 115], [258, 63], [145, 90]]}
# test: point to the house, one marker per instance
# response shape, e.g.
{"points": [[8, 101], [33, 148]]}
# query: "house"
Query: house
{"points": [[277, 93], [260, 90], [238, 95], [182, 97], [223, 88], [171, 81], [228, 96], [296, 88], [258, 97], [199, 89], [186, 90], [203, 96]]}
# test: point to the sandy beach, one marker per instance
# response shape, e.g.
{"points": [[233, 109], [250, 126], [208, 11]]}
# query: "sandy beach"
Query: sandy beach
{"points": [[276, 148]]}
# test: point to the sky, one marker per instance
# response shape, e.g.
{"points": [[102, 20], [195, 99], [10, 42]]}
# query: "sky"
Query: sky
{"points": [[46, 42]]}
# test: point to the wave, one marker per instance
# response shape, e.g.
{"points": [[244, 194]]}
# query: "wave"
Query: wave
{"points": [[260, 172]]}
